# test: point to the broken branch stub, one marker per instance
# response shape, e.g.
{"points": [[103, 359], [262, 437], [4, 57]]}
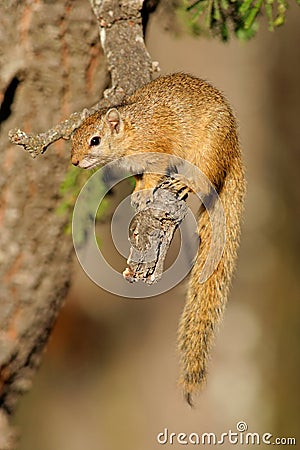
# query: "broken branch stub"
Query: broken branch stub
{"points": [[151, 232], [37, 144]]}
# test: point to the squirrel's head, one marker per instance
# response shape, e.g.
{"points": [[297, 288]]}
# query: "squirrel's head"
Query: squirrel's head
{"points": [[98, 140]]}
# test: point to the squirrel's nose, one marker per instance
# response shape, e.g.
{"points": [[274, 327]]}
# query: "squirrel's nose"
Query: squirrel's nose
{"points": [[74, 160]]}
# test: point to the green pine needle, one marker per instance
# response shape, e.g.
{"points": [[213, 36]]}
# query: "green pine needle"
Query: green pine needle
{"points": [[241, 17]]}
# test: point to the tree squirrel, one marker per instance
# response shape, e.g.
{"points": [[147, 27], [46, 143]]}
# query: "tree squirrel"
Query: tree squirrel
{"points": [[181, 115]]}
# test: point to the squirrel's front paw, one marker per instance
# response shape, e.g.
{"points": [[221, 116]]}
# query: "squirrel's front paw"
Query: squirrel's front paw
{"points": [[141, 199]]}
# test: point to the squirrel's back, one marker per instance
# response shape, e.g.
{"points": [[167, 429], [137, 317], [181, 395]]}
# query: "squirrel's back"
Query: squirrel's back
{"points": [[185, 89], [192, 100], [185, 116]]}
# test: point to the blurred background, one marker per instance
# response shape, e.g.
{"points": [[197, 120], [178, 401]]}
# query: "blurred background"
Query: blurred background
{"points": [[109, 376]]}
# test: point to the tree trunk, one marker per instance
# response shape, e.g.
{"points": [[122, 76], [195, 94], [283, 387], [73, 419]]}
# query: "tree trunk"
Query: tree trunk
{"points": [[51, 65]]}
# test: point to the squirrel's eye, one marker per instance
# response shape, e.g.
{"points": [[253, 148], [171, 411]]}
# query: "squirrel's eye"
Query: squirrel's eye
{"points": [[95, 140]]}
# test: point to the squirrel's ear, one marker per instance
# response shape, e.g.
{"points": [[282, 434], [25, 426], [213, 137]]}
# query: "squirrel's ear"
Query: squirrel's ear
{"points": [[113, 119]]}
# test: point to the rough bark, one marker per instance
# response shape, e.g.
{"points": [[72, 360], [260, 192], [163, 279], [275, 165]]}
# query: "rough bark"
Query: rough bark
{"points": [[151, 232]]}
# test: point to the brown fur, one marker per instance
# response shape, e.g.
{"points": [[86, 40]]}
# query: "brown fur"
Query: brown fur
{"points": [[184, 116]]}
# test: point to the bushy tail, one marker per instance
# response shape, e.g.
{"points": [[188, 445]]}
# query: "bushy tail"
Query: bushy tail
{"points": [[206, 302]]}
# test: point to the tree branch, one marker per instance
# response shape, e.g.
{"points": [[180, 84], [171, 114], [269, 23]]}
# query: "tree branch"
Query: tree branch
{"points": [[151, 232], [120, 26], [128, 60]]}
